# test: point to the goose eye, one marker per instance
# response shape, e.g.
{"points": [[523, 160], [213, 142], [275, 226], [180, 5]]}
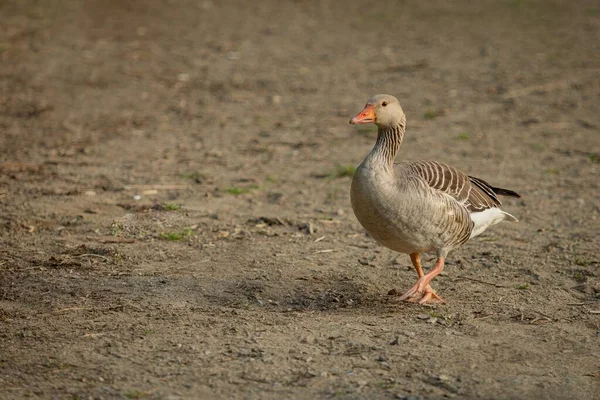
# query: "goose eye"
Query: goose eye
{"points": [[384, 103]]}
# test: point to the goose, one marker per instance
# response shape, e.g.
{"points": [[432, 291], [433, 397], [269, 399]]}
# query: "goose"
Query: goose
{"points": [[417, 207]]}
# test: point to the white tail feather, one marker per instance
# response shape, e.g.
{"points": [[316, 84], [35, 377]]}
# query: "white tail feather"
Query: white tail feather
{"points": [[487, 218]]}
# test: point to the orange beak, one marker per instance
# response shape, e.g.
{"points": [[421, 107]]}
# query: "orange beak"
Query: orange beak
{"points": [[366, 116]]}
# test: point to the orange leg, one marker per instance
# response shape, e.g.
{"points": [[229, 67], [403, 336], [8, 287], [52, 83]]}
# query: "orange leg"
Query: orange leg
{"points": [[416, 262], [422, 291]]}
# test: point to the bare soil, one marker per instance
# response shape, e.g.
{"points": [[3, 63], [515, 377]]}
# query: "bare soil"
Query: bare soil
{"points": [[174, 199]]}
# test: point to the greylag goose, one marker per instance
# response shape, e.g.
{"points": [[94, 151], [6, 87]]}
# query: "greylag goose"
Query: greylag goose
{"points": [[420, 206]]}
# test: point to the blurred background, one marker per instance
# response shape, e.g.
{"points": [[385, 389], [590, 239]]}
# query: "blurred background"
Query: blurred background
{"points": [[174, 198]]}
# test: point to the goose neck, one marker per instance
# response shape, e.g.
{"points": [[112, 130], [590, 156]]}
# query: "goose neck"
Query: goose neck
{"points": [[389, 140]]}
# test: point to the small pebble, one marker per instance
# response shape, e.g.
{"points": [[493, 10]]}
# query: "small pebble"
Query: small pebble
{"points": [[232, 56], [310, 339]]}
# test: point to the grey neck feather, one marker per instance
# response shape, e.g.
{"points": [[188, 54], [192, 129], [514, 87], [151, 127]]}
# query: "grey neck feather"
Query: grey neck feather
{"points": [[388, 143]]}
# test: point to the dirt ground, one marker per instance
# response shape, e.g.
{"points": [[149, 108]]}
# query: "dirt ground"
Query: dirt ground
{"points": [[175, 220]]}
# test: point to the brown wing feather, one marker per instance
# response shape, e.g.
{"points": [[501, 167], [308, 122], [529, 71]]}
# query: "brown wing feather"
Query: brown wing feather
{"points": [[476, 194]]}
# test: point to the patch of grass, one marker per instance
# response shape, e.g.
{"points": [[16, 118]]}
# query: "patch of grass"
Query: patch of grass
{"points": [[446, 319], [147, 332], [171, 236], [115, 228], [58, 365], [271, 179], [237, 191], [385, 385], [175, 235], [595, 158], [166, 207], [579, 276], [118, 258], [537, 146], [172, 207], [430, 114], [552, 171], [234, 190], [581, 262], [593, 12], [523, 286], [462, 136], [134, 394], [517, 3], [342, 171]]}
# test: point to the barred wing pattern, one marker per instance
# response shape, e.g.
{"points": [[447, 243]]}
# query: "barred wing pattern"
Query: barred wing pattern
{"points": [[474, 193]]}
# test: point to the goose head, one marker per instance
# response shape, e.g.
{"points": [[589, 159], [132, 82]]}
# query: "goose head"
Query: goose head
{"points": [[383, 110]]}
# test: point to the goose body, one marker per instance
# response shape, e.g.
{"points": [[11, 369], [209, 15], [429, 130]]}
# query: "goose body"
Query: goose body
{"points": [[420, 206]]}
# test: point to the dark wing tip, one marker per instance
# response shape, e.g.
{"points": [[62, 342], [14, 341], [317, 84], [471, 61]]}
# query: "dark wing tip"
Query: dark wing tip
{"points": [[506, 192]]}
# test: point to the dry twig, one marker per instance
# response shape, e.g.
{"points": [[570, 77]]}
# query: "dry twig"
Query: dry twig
{"points": [[93, 255], [110, 240]]}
